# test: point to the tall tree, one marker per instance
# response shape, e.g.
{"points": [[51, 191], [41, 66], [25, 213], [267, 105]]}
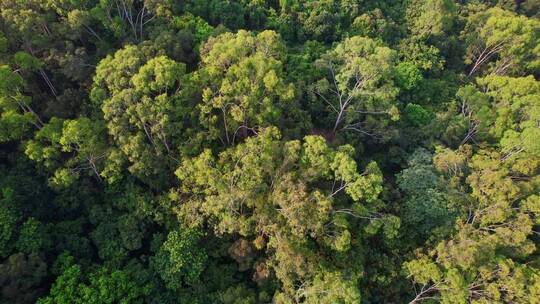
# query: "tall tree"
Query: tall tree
{"points": [[16, 113], [504, 42], [144, 107], [244, 86], [358, 88], [486, 259], [431, 17], [82, 139], [285, 199], [506, 114]]}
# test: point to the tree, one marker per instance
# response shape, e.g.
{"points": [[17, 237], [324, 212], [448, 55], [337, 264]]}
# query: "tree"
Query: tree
{"points": [[507, 41], [245, 87], [407, 75], [144, 106], [129, 17], [231, 14], [319, 20], [122, 221], [22, 277], [358, 88], [431, 18], [424, 56], [506, 114], [487, 258], [482, 260], [33, 237], [517, 112], [427, 206], [27, 19], [324, 21], [147, 105], [8, 222], [417, 115], [83, 139], [16, 115], [24, 197], [99, 286], [179, 260], [329, 287], [285, 197], [198, 26], [376, 25]]}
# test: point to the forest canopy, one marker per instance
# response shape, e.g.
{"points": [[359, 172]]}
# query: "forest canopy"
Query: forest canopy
{"points": [[264, 151]]}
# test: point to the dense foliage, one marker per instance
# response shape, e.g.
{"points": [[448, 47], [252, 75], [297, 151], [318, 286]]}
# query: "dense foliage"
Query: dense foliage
{"points": [[291, 151]]}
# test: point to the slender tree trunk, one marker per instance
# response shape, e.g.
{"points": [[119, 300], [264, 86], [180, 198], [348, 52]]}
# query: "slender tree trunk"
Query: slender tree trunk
{"points": [[94, 168], [91, 31], [48, 82], [338, 119]]}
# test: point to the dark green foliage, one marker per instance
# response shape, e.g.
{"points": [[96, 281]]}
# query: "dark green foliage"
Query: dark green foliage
{"points": [[73, 285], [32, 237], [408, 76], [428, 205], [22, 278], [417, 115], [8, 221], [180, 258]]}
